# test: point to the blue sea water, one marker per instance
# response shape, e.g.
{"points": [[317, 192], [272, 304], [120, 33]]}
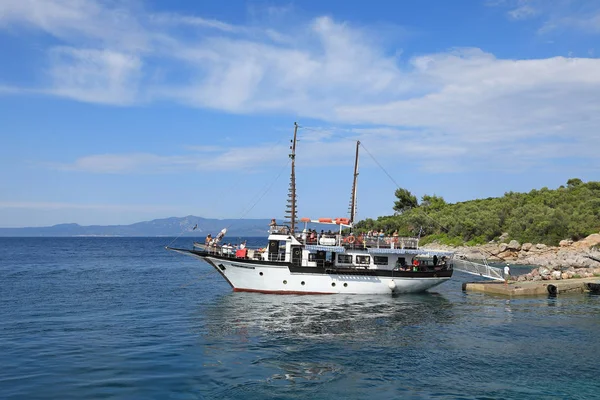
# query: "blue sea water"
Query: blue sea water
{"points": [[123, 318]]}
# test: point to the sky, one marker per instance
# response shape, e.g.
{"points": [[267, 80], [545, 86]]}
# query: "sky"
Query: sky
{"points": [[115, 112]]}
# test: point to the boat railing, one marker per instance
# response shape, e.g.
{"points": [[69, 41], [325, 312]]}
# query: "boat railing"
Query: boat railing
{"points": [[276, 257], [351, 241], [281, 229]]}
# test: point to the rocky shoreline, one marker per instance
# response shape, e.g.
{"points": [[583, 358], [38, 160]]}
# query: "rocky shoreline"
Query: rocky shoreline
{"points": [[569, 259]]}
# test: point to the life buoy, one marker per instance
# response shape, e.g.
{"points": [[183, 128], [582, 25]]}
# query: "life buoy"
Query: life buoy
{"points": [[350, 239], [342, 221]]}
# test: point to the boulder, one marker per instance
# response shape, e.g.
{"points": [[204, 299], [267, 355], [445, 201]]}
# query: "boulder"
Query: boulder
{"points": [[502, 247], [526, 246], [556, 275], [565, 275], [588, 242], [535, 272], [537, 278], [513, 245], [565, 243], [544, 271], [503, 237], [506, 255], [521, 278], [540, 246]]}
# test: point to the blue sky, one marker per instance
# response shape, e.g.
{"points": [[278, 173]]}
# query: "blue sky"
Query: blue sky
{"points": [[114, 112]]}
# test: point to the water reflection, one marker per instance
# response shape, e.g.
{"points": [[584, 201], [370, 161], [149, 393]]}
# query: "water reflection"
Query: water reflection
{"points": [[321, 316]]}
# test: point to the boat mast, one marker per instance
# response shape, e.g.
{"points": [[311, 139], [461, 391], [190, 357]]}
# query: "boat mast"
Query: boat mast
{"points": [[292, 192], [353, 199]]}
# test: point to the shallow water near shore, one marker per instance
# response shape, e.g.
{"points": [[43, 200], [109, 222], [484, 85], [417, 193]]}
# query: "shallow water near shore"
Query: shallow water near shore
{"points": [[124, 318]]}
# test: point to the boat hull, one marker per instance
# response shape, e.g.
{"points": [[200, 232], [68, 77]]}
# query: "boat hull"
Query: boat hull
{"points": [[283, 279]]}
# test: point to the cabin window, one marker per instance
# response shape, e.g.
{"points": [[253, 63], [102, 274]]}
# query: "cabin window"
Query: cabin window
{"points": [[363, 260], [344, 258], [312, 256], [380, 260]]}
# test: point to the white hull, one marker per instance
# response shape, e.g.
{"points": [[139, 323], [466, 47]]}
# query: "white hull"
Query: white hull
{"points": [[253, 277]]}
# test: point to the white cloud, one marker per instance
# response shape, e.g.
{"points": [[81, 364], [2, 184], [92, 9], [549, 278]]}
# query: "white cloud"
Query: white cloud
{"points": [[194, 21], [76, 21], [584, 23], [96, 76], [203, 159], [523, 12], [458, 103], [556, 15]]}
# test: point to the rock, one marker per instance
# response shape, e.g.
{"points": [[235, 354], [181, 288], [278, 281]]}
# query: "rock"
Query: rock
{"points": [[535, 272], [540, 246], [565, 243], [546, 277], [503, 237], [537, 278], [502, 248], [544, 271], [565, 275], [507, 255], [513, 245], [521, 278], [526, 246], [588, 242], [556, 275], [529, 277]]}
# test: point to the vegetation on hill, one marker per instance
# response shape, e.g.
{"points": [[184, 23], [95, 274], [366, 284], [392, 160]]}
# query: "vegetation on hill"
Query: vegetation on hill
{"points": [[540, 216]]}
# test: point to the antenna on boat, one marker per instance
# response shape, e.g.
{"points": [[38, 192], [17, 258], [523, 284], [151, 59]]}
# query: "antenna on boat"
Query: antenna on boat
{"points": [[353, 198], [291, 211]]}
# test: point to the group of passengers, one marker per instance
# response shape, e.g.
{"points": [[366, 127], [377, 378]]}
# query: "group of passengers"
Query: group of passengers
{"points": [[311, 236], [375, 234], [423, 264]]}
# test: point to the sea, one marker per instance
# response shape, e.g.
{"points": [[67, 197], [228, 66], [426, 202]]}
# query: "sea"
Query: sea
{"points": [[123, 318]]}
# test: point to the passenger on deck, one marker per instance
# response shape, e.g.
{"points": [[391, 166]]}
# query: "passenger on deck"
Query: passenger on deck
{"points": [[415, 265], [208, 239]]}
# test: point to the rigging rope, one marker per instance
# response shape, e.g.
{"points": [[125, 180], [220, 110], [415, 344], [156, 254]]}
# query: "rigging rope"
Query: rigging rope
{"points": [[398, 187], [267, 189], [223, 190]]}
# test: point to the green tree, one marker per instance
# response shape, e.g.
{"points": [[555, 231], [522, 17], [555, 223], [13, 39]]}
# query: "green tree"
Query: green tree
{"points": [[432, 203], [406, 201], [573, 182]]}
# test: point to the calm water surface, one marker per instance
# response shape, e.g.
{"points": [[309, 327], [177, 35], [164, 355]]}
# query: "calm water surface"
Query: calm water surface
{"points": [[124, 318]]}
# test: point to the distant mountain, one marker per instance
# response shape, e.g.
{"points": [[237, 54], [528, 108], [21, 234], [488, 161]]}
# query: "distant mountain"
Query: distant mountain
{"points": [[173, 226]]}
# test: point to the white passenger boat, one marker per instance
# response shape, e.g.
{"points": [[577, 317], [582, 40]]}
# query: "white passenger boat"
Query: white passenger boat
{"points": [[306, 262]]}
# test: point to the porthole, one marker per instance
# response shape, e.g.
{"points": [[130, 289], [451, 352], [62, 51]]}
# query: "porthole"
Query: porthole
{"points": [[285, 282], [302, 283], [345, 285], [260, 273], [333, 284]]}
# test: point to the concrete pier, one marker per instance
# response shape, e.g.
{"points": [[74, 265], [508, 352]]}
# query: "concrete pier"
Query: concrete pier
{"points": [[534, 288]]}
